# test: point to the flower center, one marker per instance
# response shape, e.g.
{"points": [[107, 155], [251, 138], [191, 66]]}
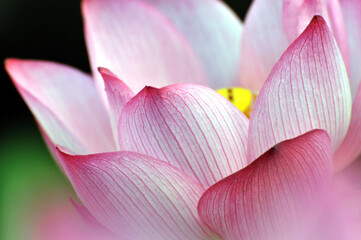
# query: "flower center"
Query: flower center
{"points": [[242, 98]]}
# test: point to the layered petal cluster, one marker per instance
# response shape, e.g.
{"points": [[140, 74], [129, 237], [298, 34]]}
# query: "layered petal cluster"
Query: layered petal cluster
{"points": [[264, 41], [154, 153]]}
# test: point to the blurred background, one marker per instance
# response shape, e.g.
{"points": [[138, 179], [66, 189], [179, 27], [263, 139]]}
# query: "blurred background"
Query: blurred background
{"points": [[33, 191]]}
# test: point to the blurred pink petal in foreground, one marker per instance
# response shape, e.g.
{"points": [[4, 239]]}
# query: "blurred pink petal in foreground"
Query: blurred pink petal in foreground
{"points": [[62, 221], [141, 158]]}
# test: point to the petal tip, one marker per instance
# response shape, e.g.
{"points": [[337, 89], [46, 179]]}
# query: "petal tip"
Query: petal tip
{"points": [[149, 90], [84, 2], [105, 72], [10, 63], [319, 20], [64, 155]]}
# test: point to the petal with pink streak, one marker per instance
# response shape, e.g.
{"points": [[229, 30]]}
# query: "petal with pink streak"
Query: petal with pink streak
{"points": [[307, 89], [297, 14], [190, 126], [214, 32], [118, 94], [137, 196], [263, 42], [350, 148], [351, 10], [139, 44], [273, 197], [65, 103]]}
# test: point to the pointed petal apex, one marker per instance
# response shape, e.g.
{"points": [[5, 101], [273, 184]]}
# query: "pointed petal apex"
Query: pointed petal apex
{"points": [[297, 14], [190, 126], [118, 94], [307, 89]]}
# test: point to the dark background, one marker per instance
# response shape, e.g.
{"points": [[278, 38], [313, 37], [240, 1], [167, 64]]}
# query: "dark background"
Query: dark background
{"points": [[49, 30]]}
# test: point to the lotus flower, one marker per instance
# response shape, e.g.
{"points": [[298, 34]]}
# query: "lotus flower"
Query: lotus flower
{"points": [[182, 162]]}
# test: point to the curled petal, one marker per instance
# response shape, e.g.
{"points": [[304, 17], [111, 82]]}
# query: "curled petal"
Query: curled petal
{"points": [[137, 196], [139, 44], [214, 34], [307, 89], [192, 127], [118, 94], [273, 197], [60, 98]]}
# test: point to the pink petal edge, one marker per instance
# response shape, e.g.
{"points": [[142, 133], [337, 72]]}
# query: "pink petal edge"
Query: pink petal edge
{"points": [[59, 97]]}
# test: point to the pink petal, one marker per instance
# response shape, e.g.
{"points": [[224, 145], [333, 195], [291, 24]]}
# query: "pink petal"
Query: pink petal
{"points": [[136, 196], [350, 148], [272, 197], [92, 223], [118, 94], [65, 103], [307, 89], [61, 221], [271, 26], [263, 42], [214, 32], [347, 188], [337, 219], [297, 14], [138, 44], [351, 10], [192, 127], [351, 174]]}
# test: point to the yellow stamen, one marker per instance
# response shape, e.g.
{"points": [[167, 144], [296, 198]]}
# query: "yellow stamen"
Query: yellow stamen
{"points": [[242, 98]]}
